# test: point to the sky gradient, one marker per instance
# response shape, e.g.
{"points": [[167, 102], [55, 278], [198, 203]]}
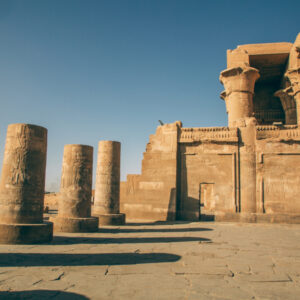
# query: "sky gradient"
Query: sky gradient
{"points": [[109, 70]]}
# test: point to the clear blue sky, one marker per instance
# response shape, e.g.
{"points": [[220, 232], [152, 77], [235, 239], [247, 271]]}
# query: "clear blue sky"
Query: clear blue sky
{"points": [[91, 70]]}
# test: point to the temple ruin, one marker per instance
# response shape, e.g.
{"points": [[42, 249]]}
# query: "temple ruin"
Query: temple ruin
{"points": [[248, 171]]}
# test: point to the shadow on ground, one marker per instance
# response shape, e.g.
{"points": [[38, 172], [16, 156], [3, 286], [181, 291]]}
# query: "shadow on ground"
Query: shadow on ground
{"points": [[63, 240], [158, 223], [41, 294], [133, 230], [85, 259]]}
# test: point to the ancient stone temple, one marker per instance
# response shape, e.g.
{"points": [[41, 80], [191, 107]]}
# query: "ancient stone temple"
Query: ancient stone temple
{"points": [[248, 171]]}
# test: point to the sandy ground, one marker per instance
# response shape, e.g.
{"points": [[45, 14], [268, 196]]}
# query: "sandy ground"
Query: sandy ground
{"points": [[158, 261]]}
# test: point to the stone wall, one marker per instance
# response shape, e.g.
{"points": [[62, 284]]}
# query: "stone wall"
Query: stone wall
{"points": [[209, 170], [278, 169], [152, 195]]}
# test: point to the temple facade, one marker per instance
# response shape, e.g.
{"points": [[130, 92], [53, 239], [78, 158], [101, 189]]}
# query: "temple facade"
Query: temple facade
{"points": [[248, 171]]}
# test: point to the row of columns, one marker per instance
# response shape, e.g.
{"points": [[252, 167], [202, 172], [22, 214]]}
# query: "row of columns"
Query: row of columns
{"points": [[22, 187]]}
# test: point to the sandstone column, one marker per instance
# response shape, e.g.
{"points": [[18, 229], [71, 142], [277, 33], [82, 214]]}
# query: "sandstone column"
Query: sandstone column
{"points": [[22, 186], [288, 104], [74, 210], [107, 188], [239, 85], [293, 76], [239, 88], [247, 158]]}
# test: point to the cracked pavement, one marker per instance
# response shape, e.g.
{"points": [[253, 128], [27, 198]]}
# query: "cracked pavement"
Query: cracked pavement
{"points": [[180, 260]]}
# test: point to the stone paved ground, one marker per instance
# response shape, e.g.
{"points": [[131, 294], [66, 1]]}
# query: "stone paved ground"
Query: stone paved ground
{"points": [[159, 261]]}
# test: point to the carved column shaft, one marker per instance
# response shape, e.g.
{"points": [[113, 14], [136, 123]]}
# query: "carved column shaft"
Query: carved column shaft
{"points": [[293, 76], [74, 211], [288, 104], [239, 89], [248, 168], [76, 182], [22, 186], [22, 182], [107, 188]]}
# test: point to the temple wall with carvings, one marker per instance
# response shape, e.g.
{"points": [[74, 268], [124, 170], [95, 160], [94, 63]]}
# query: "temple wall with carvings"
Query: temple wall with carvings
{"points": [[248, 171], [278, 169], [208, 170]]}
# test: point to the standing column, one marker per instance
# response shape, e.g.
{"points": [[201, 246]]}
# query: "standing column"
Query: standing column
{"points": [[293, 76], [288, 104], [74, 210], [247, 158], [22, 186], [107, 188], [239, 85]]}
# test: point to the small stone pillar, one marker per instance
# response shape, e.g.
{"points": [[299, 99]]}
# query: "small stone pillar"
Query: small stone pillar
{"points": [[107, 188], [22, 186], [247, 158], [288, 104], [239, 88], [74, 208]]}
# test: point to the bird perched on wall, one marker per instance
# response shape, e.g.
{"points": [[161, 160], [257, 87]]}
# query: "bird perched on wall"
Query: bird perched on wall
{"points": [[160, 122]]}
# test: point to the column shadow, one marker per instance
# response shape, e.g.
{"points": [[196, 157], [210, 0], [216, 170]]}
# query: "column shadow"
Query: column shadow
{"points": [[85, 259], [41, 294], [63, 240], [134, 230]]}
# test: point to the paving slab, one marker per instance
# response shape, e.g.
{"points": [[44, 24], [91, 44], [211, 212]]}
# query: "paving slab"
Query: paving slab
{"points": [[180, 260]]}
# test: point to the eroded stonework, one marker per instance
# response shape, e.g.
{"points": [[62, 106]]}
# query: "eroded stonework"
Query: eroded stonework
{"points": [[248, 171], [22, 186], [74, 207], [107, 186]]}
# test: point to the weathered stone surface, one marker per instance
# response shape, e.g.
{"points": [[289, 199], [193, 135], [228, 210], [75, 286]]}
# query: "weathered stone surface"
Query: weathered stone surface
{"points": [[107, 187], [181, 261], [152, 195], [74, 212], [51, 200], [22, 186]]}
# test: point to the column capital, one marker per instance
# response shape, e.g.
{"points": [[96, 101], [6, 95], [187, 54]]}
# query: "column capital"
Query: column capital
{"points": [[286, 97], [293, 76], [239, 79], [288, 103]]}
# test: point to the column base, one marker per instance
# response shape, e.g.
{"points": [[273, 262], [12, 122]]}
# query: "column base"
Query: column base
{"points": [[26, 233], [75, 224], [111, 219]]}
